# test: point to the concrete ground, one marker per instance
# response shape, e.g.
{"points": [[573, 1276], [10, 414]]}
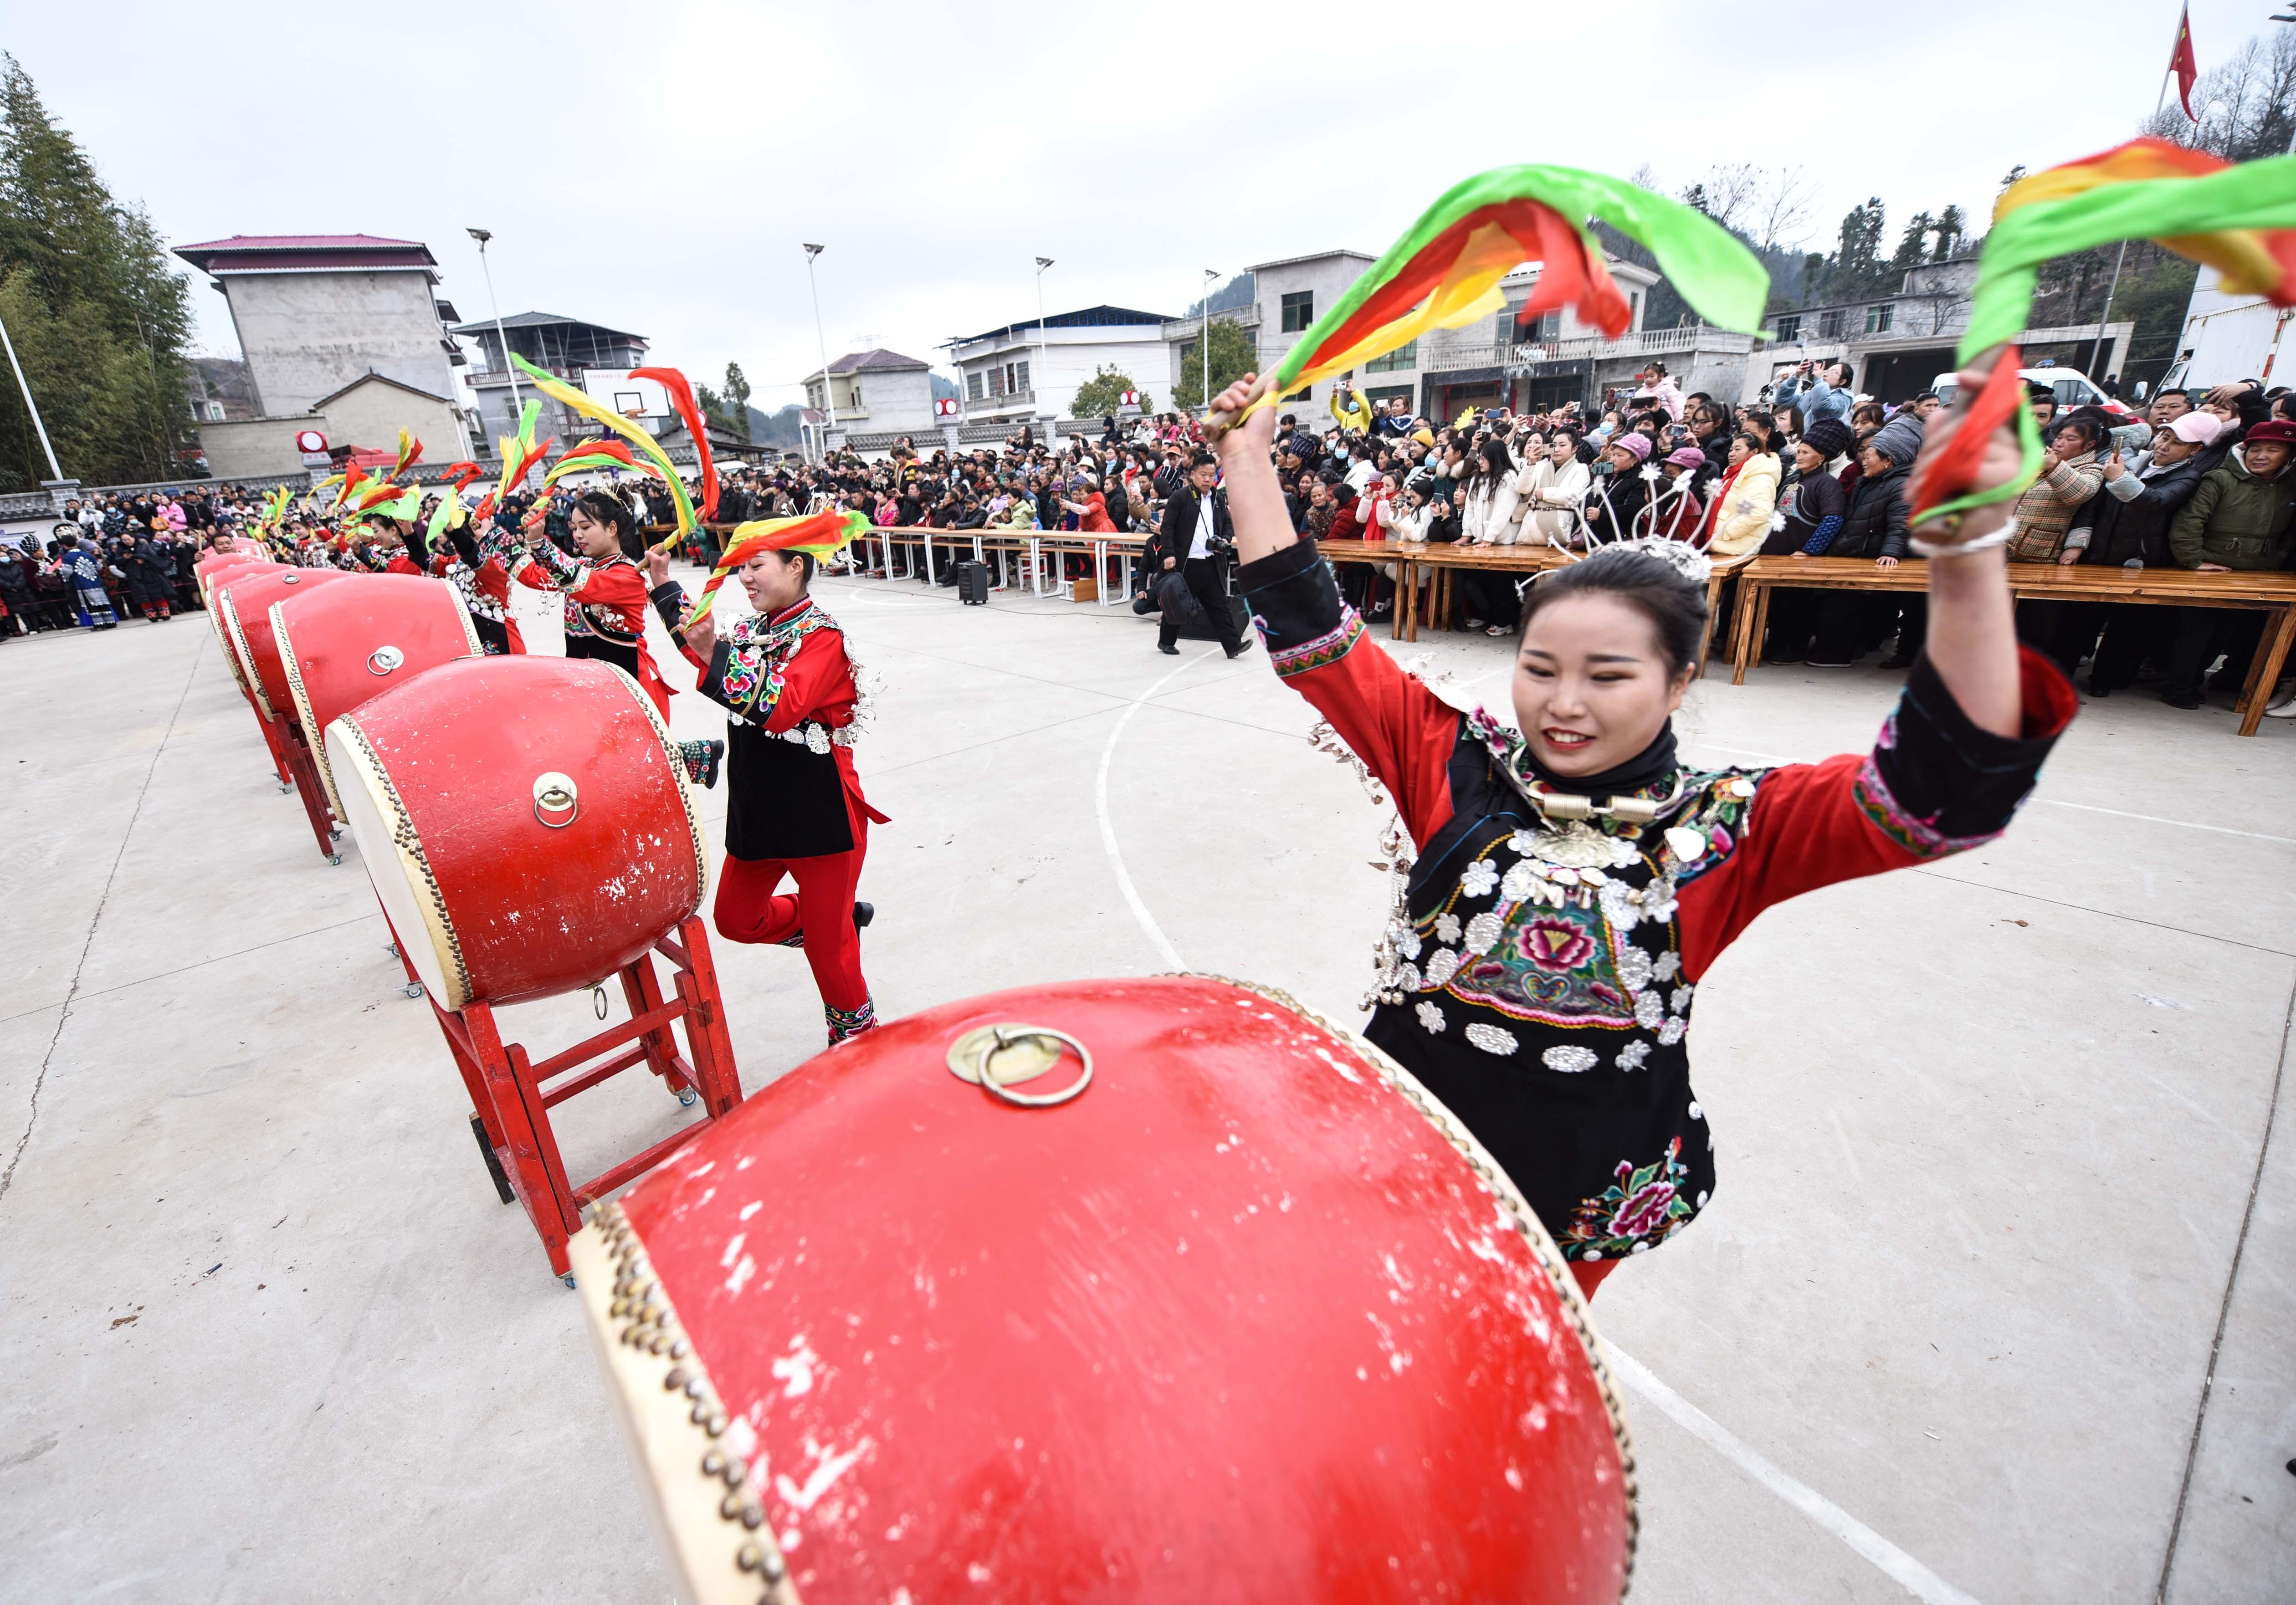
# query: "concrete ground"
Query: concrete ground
{"points": [[1993, 1301]]}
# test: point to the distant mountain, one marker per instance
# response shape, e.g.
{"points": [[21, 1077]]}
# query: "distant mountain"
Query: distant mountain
{"points": [[1241, 290], [775, 429], [944, 389]]}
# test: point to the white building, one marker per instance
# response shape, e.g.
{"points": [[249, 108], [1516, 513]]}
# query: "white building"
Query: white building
{"points": [[1033, 369], [1489, 363], [875, 393]]}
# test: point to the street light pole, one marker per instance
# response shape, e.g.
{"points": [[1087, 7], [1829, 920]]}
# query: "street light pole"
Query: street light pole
{"points": [[30, 405], [828, 395], [1038, 378], [1210, 275], [517, 405]]}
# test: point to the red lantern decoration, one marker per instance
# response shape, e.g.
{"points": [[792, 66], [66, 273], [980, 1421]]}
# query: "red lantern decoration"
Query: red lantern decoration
{"points": [[1233, 1311]]}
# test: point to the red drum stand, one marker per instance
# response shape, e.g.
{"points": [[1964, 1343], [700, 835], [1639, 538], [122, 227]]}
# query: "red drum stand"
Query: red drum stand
{"points": [[300, 766], [513, 1104]]}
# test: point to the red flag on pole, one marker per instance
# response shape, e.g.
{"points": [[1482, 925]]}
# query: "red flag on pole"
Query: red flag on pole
{"points": [[2181, 62]]}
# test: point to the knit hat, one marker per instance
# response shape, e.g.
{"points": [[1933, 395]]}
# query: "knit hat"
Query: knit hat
{"points": [[1829, 438], [1899, 439], [1688, 456], [2197, 429], [1635, 442], [2272, 432]]}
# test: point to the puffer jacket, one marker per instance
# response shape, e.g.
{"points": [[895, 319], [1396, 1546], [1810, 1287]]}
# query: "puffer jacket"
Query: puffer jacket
{"points": [[1875, 524], [1555, 495], [1748, 499], [2136, 530], [2234, 519]]}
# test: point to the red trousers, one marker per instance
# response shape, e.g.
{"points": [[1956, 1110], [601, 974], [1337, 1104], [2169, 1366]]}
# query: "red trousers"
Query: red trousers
{"points": [[1589, 1274], [750, 908]]}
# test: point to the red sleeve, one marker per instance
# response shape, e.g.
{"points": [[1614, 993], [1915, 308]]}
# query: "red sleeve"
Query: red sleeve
{"points": [[619, 586], [1317, 645], [400, 563], [494, 581], [1934, 785]]}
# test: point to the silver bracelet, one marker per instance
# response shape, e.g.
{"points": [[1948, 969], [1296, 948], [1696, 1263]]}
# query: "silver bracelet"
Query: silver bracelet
{"points": [[1983, 543]]}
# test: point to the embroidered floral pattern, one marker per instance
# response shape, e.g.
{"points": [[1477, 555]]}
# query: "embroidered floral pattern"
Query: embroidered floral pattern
{"points": [[846, 1024], [1570, 1058], [1322, 652], [1643, 1205], [1430, 1019], [1632, 1056], [1555, 944], [1919, 837], [1479, 878]]}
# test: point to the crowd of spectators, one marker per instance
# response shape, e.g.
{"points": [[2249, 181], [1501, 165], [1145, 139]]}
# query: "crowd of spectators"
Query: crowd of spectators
{"points": [[2198, 481]]}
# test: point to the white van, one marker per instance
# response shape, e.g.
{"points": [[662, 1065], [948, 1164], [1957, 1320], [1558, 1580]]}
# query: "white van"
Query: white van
{"points": [[2073, 388]]}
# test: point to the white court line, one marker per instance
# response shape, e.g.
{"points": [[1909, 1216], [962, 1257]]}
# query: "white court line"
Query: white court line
{"points": [[2054, 802], [1163, 943], [1892, 1562]]}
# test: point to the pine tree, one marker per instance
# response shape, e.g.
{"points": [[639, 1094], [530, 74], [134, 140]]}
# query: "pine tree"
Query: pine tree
{"points": [[99, 318], [737, 397]]}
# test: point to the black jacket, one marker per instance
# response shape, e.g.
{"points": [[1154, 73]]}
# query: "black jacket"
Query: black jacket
{"points": [[2138, 529], [1177, 536], [1875, 523]]}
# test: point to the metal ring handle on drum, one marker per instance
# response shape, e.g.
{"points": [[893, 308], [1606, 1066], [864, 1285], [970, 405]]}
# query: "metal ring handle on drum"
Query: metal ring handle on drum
{"points": [[556, 792], [1006, 1037]]}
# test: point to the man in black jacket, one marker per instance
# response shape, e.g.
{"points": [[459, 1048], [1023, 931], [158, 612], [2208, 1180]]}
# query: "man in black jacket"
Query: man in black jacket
{"points": [[1197, 538]]}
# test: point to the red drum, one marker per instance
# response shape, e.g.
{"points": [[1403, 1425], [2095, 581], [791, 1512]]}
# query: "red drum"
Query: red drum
{"points": [[339, 646], [1248, 1317], [211, 583], [525, 820], [245, 606]]}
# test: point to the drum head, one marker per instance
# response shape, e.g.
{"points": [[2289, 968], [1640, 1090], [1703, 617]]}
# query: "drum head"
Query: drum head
{"points": [[377, 820]]}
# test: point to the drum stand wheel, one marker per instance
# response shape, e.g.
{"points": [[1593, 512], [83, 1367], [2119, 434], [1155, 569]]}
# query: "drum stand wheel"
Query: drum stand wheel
{"points": [[513, 1093], [412, 989], [569, 1280]]}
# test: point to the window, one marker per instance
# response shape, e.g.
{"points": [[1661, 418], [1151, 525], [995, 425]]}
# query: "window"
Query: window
{"points": [[1400, 360], [857, 397], [996, 381], [1789, 330], [972, 386], [1548, 329], [1298, 310], [1022, 387], [1829, 325], [1877, 318]]}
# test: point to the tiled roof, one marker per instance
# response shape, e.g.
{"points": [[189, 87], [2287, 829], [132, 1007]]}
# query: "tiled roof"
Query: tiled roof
{"points": [[304, 253]]}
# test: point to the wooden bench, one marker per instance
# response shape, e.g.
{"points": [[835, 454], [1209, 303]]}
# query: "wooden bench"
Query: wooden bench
{"points": [[1437, 561], [2274, 593]]}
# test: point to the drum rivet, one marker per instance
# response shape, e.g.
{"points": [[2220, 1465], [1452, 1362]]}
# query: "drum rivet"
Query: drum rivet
{"points": [[715, 1426], [775, 1567], [736, 1473], [701, 1414], [693, 1389], [752, 1516], [730, 1506], [680, 1350], [640, 1267], [675, 1380], [712, 1463], [656, 1344], [749, 1558]]}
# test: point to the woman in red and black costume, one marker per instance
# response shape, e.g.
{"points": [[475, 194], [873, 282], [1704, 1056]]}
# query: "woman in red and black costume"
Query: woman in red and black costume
{"points": [[481, 579], [1574, 880], [605, 598], [794, 808]]}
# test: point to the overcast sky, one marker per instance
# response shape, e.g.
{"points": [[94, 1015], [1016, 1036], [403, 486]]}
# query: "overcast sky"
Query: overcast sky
{"points": [[655, 167]]}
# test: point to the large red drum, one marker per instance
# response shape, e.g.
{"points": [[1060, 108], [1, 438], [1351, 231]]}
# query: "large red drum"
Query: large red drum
{"points": [[341, 644], [245, 606], [525, 820], [1250, 1317], [212, 583]]}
